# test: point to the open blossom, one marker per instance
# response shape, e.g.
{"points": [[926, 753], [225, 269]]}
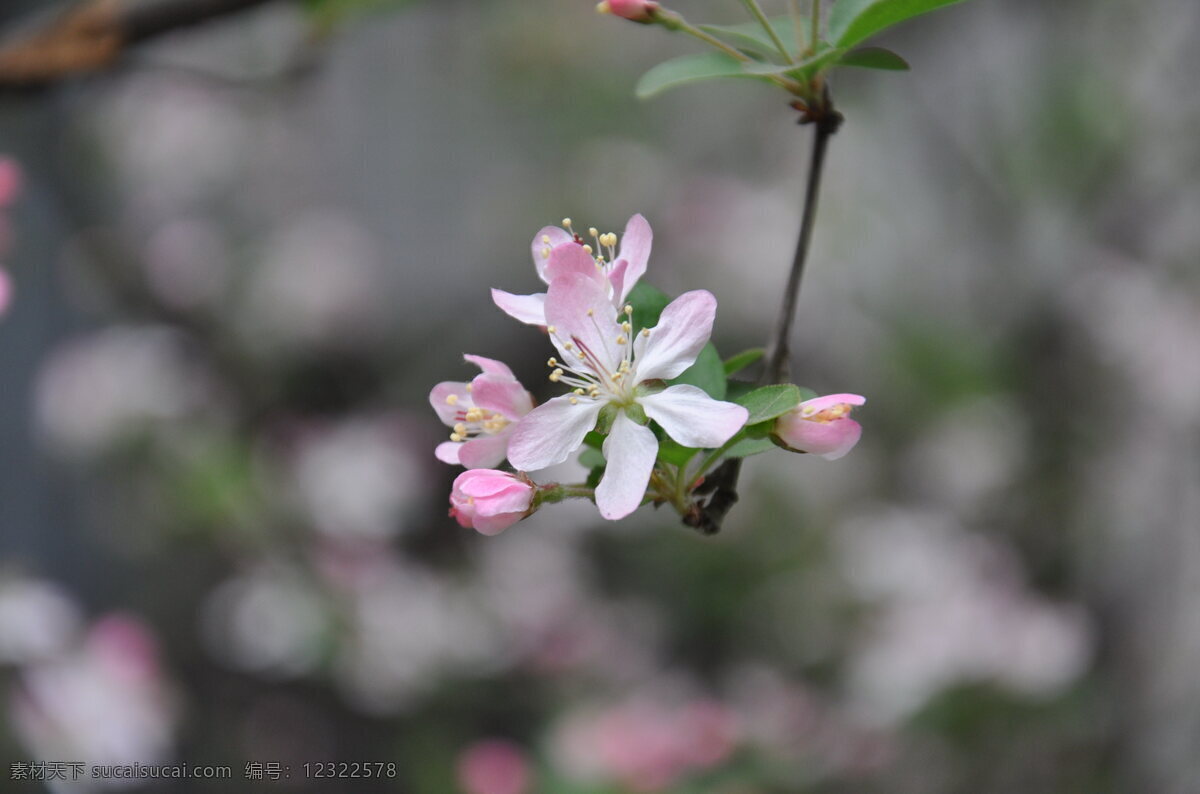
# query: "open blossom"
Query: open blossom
{"points": [[490, 501], [822, 425], [481, 414], [558, 251], [606, 367]]}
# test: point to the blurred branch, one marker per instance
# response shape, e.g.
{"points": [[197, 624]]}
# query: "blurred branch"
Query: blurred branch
{"points": [[94, 35]]}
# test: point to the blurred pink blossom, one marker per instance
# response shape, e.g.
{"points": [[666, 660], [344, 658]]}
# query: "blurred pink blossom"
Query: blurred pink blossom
{"points": [[494, 766], [6, 291], [11, 179]]}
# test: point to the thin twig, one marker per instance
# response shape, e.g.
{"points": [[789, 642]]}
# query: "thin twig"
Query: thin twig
{"points": [[757, 12], [721, 485]]}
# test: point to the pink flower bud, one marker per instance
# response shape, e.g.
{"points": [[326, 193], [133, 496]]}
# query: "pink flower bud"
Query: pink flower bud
{"points": [[822, 425], [494, 766], [636, 10], [490, 501]]}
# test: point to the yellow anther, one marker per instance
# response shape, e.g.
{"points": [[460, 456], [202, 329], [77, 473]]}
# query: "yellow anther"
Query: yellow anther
{"points": [[551, 329], [587, 249], [546, 252], [568, 346], [552, 362], [566, 223], [574, 400], [546, 239], [460, 429], [469, 388], [593, 232], [455, 437], [555, 375], [645, 332], [591, 312], [579, 392], [628, 309], [627, 326], [451, 399], [622, 340]]}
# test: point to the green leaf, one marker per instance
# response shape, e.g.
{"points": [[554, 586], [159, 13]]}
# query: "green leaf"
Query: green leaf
{"points": [[708, 373], [853, 21], [594, 440], [648, 303], [591, 459], [768, 402], [674, 453], [739, 362], [750, 36], [690, 69], [874, 58], [749, 446], [803, 70]]}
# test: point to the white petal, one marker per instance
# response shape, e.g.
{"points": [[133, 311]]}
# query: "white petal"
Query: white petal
{"points": [[447, 451], [551, 432], [529, 309], [683, 329], [630, 451], [693, 418], [580, 311]]}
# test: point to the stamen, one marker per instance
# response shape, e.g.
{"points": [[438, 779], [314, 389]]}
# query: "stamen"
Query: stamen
{"points": [[628, 309], [451, 399], [645, 332], [622, 340]]}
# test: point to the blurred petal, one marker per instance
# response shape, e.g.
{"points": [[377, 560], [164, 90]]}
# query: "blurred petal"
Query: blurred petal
{"points": [[447, 451], [630, 450], [491, 366], [504, 396], [448, 399], [551, 432], [540, 245], [526, 308], [484, 452], [683, 329], [693, 418]]}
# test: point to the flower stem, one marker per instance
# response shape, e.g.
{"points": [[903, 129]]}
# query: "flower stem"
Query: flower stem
{"points": [[722, 485], [757, 12], [814, 30]]}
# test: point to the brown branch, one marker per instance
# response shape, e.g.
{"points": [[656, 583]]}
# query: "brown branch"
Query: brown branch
{"points": [[94, 35]]}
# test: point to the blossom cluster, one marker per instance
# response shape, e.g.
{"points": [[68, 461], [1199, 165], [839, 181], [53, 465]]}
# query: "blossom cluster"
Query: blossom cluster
{"points": [[646, 395]]}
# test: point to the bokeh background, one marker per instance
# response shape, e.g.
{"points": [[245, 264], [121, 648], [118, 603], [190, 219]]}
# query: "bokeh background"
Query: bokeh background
{"points": [[241, 260]]}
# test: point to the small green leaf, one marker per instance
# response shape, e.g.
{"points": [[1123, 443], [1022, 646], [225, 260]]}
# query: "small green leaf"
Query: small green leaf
{"points": [[591, 458], [802, 70], [749, 446], [594, 440], [874, 58], [690, 69], [674, 453], [708, 373], [768, 402], [737, 363], [750, 36], [648, 303], [853, 21]]}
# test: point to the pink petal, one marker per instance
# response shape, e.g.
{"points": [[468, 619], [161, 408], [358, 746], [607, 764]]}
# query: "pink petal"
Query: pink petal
{"points": [[557, 237], [495, 524], [551, 432], [484, 452], [617, 277], [693, 418], [830, 440], [683, 329], [506, 397], [630, 450], [579, 310], [491, 366], [635, 249], [817, 404], [571, 258], [447, 452], [449, 414], [526, 308]]}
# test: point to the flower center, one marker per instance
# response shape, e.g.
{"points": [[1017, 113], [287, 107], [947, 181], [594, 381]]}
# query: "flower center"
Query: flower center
{"points": [[471, 420], [826, 415], [605, 243], [590, 375]]}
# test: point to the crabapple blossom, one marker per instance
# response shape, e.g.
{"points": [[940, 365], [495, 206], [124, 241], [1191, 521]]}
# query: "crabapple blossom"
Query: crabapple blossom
{"points": [[608, 367], [481, 414], [494, 766], [558, 251], [822, 425], [490, 501]]}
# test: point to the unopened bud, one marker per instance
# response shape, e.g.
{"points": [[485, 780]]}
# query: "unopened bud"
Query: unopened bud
{"points": [[636, 10]]}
